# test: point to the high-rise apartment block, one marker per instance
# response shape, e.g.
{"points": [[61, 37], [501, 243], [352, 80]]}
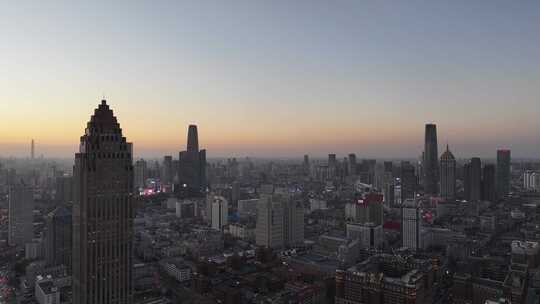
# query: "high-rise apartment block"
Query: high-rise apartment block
{"points": [[220, 212], [293, 222], [411, 225], [269, 228]]}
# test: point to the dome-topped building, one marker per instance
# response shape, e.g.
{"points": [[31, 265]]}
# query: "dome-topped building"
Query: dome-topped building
{"points": [[448, 175], [447, 155]]}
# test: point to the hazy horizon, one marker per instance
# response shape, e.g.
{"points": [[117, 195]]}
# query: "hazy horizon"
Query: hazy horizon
{"points": [[275, 79]]}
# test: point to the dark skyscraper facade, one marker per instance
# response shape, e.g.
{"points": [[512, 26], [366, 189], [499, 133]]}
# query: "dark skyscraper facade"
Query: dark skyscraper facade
{"points": [[408, 181], [103, 213], [351, 165], [193, 139], [332, 160], [167, 173], [388, 167], [431, 161], [21, 206], [448, 175], [192, 164], [305, 164], [489, 192], [467, 180], [503, 172], [58, 240], [473, 182]]}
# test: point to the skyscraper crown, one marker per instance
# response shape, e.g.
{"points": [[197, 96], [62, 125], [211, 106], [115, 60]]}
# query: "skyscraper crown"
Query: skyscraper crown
{"points": [[103, 121], [447, 155], [193, 139], [103, 132]]}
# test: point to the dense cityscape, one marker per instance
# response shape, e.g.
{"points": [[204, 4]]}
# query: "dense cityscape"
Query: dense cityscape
{"points": [[270, 152], [107, 228]]}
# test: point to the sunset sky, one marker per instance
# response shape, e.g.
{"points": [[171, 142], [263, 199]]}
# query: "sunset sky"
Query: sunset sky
{"points": [[274, 78]]}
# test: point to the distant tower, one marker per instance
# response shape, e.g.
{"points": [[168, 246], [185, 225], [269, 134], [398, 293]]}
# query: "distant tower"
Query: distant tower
{"points": [[220, 212], [448, 175], [408, 181], [192, 164], [168, 171], [293, 222], [103, 213], [503, 172], [193, 139], [332, 160], [332, 165], [431, 161], [140, 174], [32, 150], [352, 164], [473, 180], [489, 192]]}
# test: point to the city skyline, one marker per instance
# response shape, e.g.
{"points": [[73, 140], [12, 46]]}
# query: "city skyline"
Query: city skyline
{"points": [[269, 79], [157, 153], [148, 153], [246, 152]]}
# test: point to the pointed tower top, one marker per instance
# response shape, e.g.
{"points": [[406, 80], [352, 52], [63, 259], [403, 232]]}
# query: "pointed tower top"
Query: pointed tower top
{"points": [[103, 120], [447, 155]]}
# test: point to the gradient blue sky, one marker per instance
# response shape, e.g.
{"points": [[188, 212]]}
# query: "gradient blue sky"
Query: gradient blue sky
{"points": [[274, 78]]}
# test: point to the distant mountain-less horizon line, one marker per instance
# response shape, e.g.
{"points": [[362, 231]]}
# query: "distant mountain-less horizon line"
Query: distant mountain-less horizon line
{"points": [[318, 158], [408, 151]]}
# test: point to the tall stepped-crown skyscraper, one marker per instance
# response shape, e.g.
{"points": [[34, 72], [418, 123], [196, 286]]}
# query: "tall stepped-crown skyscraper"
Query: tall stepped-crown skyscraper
{"points": [[103, 213], [192, 164], [431, 161], [448, 175]]}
